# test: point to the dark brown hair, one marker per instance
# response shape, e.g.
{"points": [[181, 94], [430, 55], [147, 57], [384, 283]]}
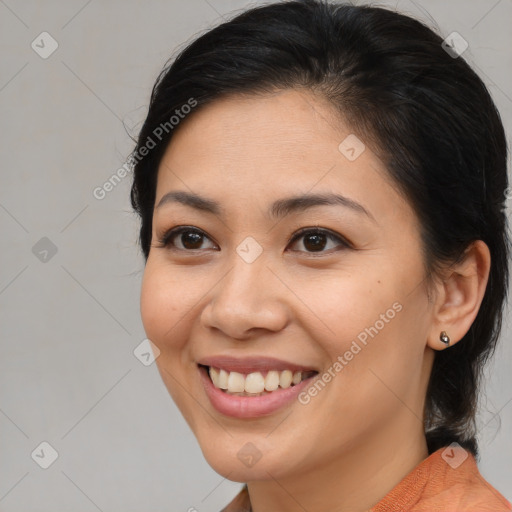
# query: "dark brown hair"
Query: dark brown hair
{"points": [[429, 117]]}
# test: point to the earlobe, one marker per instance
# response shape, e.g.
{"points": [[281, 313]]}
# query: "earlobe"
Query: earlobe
{"points": [[460, 295]]}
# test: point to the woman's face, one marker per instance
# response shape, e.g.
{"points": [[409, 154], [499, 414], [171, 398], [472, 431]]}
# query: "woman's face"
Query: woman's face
{"points": [[244, 292]]}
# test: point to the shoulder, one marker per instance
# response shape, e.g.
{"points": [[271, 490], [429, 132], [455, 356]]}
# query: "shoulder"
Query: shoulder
{"points": [[448, 480], [458, 486]]}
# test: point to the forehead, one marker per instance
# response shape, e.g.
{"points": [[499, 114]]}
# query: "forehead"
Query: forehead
{"points": [[269, 146], [284, 122]]}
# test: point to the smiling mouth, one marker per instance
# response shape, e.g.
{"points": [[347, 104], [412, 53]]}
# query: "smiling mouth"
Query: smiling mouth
{"points": [[256, 383]]}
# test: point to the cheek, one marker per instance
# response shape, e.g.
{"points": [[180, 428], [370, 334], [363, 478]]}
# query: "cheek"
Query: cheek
{"points": [[372, 321], [345, 305], [164, 304], [161, 305]]}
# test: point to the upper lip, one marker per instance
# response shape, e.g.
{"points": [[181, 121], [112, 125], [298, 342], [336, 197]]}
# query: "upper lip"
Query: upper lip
{"points": [[251, 364]]}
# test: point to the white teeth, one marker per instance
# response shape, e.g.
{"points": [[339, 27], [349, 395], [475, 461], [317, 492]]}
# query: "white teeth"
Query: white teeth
{"points": [[236, 382], [254, 383], [297, 377], [214, 375], [285, 379], [223, 379], [272, 380]]}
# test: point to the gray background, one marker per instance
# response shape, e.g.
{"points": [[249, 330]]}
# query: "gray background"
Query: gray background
{"points": [[70, 321]]}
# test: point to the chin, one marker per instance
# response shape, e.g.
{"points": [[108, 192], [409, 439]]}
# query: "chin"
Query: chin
{"points": [[233, 469], [239, 459]]}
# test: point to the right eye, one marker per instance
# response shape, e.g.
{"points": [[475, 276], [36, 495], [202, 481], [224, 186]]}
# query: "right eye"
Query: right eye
{"points": [[183, 238]]}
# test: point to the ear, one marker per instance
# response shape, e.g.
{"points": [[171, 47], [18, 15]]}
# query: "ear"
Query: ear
{"points": [[459, 294]]}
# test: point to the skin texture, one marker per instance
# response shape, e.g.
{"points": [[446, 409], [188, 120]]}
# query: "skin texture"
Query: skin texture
{"points": [[358, 437]]}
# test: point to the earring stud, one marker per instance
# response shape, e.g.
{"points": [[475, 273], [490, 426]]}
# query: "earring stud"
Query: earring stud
{"points": [[445, 338]]}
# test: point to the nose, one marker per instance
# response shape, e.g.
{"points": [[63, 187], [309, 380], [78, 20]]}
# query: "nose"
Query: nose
{"points": [[247, 300]]}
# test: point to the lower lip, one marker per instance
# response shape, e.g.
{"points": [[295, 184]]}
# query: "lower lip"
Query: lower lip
{"points": [[250, 406]]}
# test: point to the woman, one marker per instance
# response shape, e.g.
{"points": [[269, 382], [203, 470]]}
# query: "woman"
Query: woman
{"points": [[321, 190]]}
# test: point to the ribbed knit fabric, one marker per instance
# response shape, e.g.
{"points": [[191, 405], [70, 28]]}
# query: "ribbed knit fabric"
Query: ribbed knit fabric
{"points": [[438, 484]]}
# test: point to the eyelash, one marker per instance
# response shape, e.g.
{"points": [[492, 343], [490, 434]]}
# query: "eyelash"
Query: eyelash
{"points": [[166, 238]]}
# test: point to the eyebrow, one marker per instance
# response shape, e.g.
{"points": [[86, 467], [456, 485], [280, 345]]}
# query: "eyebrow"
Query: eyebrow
{"points": [[278, 209]]}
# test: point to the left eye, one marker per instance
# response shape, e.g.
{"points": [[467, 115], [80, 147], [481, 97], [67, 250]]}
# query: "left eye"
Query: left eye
{"points": [[313, 240], [317, 240]]}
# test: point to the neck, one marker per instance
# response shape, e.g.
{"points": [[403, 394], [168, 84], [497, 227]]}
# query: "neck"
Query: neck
{"points": [[353, 481]]}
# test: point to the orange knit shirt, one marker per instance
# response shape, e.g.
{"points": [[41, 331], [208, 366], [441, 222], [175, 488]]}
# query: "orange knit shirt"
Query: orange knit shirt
{"points": [[440, 483]]}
